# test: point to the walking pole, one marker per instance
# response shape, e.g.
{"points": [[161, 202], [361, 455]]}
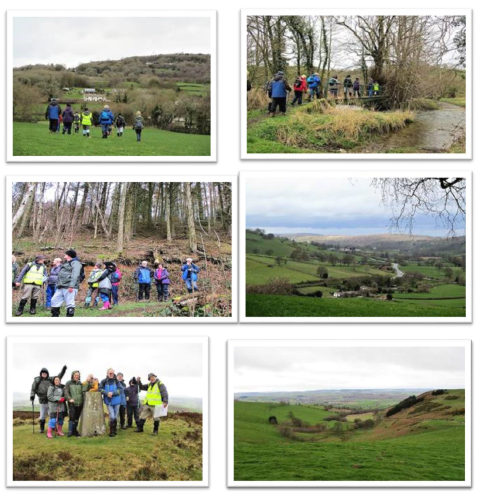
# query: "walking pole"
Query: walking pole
{"points": [[33, 417]]}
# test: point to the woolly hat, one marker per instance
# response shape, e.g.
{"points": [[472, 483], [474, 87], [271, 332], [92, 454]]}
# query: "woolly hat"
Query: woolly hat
{"points": [[71, 253], [151, 375]]}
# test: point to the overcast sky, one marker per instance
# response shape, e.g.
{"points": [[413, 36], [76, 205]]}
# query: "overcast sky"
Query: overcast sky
{"points": [[178, 366], [75, 40], [323, 206], [271, 369]]}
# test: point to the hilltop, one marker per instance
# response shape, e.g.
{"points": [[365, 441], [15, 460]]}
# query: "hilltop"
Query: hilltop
{"points": [[425, 441]]}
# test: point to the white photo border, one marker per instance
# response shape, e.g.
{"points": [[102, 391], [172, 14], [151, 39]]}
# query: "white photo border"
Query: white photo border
{"points": [[211, 14], [244, 155], [233, 179], [11, 341], [232, 344], [346, 174]]}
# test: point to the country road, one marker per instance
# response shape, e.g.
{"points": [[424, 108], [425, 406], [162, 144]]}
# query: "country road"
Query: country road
{"points": [[397, 270]]}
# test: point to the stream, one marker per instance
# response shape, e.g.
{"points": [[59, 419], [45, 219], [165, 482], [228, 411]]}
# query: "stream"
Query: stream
{"points": [[432, 131]]}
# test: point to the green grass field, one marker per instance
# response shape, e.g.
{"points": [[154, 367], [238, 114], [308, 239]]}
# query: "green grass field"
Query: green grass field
{"points": [[34, 139], [258, 306], [174, 455], [410, 447]]}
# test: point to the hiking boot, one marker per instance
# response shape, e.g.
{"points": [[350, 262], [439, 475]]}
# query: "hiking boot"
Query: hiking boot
{"points": [[70, 312], [156, 425], [70, 429], [21, 307], [55, 312], [33, 306], [140, 425], [123, 427], [42, 426], [112, 434], [115, 427]]}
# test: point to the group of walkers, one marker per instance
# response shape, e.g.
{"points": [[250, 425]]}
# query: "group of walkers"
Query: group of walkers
{"points": [[106, 120], [278, 90], [123, 403], [62, 282]]}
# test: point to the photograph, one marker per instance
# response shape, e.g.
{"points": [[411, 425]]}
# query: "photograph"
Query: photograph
{"points": [[352, 246], [375, 83], [349, 413], [103, 249], [138, 85], [94, 413]]}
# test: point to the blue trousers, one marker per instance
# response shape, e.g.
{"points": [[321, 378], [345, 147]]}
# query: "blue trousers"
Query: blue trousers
{"points": [[115, 294], [105, 127], [49, 293], [191, 283]]}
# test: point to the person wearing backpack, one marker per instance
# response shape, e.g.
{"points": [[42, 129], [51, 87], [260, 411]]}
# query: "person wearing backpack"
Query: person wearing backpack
{"points": [[40, 387], [189, 275], [105, 285], [138, 125], [106, 119], [70, 276], [157, 395], [115, 279], [356, 88], [32, 277], [67, 120], [87, 122], [52, 283], [119, 124], [313, 82], [143, 276], [92, 282], [333, 84], [347, 87], [280, 89], [162, 282], [76, 121], [299, 87], [52, 114]]}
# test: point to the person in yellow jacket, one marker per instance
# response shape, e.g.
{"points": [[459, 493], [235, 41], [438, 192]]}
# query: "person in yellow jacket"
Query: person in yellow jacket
{"points": [[157, 395], [32, 277], [93, 285], [87, 122]]}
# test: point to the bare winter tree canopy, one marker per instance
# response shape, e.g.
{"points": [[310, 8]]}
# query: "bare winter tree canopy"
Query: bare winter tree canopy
{"points": [[412, 55], [441, 197]]}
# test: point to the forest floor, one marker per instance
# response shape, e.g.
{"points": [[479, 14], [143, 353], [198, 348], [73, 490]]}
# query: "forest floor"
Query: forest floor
{"points": [[174, 455], [214, 298], [34, 139]]}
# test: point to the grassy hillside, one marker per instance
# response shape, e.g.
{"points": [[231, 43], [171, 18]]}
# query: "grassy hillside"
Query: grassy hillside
{"points": [[174, 455], [423, 443], [33, 139]]}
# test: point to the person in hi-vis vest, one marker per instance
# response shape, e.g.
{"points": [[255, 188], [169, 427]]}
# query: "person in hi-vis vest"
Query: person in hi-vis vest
{"points": [[156, 395], [32, 277]]}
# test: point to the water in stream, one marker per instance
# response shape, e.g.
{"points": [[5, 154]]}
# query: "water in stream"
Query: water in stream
{"points": [[432, 131]]}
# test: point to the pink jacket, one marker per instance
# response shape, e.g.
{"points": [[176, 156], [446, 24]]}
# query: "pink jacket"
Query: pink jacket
{"points": [[119, 276]]}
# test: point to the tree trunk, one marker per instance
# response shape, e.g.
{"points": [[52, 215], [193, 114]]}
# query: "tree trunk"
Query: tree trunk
{"points": [[192, 236], [23, 204], [121, 217]]}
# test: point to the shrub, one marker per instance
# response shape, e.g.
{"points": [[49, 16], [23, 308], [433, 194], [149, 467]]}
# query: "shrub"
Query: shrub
{"points": [[275, 286], [439, 392], [406, 403]]}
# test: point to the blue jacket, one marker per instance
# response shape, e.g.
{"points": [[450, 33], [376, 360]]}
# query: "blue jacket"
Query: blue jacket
{"points": [[53, 112], [279, 85], [123, 401], [316, 82], [107, 119], [112, 385], [143, 275], [190, 274]]}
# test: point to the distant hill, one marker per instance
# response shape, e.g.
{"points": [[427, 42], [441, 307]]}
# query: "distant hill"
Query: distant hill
{"points": [[362, 240]]}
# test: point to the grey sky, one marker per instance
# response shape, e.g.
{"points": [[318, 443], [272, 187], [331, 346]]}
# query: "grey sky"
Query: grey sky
{"points": [[75, 40], [265, 369], [323, 206], [177, 365]]}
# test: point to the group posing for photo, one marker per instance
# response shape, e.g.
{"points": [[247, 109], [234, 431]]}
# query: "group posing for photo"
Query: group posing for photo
{"points": [[62, 282], [123, 403]]}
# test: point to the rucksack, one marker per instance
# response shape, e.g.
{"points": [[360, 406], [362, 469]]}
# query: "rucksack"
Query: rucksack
{"points": [[104, 116], [115, 277], [138, 123], [310, 79], [120, 121], [297, 83], [332, 82], [82, 274]]}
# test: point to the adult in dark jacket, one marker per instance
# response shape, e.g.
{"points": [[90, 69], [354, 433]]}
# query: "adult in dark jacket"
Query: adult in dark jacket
{"points": [[74, 391], [32, 277], [68, 117], [132, 396], [68, 283], [157, 395], [143, 276], [52, 114], [112, 391], [162, 282], [52, 282], [40, 389], [280, 89], [123, 401]]}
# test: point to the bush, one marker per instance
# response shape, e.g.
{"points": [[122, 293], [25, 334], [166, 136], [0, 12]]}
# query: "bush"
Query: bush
{"points": [[364, 424], [275, 286], [439, 392], [406, 403]]}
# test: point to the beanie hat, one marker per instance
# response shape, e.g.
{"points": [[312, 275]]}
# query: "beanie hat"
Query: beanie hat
{"points": [[151, 375], [71, 253]]}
